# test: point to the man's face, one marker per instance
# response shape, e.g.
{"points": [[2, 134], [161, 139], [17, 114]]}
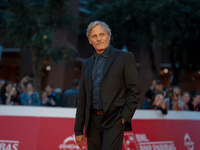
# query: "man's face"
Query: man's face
{"points": [[99, 39]]}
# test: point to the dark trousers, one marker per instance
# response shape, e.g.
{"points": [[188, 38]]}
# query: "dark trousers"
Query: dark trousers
{"points": [[104, 139]]}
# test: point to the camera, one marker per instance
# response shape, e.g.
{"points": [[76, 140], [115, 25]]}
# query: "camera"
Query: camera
{"points": [[169, 93]]}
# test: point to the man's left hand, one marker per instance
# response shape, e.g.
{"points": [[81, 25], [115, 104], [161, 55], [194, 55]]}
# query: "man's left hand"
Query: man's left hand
{"points": [[123, 121]]}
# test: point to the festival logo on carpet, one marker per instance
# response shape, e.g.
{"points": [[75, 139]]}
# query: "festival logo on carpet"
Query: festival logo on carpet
{"points": [[70, 144], [188, 142], [9, 145], [141, 142]]}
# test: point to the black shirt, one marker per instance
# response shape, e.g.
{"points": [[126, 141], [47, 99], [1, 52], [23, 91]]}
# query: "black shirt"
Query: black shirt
{"points": [[97, 72]]}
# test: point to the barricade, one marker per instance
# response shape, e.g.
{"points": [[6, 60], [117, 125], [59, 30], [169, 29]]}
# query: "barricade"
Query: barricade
{"points": [[45, 128]]}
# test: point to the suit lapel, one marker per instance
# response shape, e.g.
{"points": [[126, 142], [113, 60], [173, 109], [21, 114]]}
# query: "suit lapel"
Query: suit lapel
{"points": [[111, 56], [89, 72], [89, 79]]}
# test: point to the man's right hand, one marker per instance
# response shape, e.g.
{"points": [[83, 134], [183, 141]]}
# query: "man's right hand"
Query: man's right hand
{"points": [[79, 140]]}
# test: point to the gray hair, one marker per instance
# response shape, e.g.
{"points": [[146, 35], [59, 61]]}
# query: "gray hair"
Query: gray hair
{"points": [[101, 23]]}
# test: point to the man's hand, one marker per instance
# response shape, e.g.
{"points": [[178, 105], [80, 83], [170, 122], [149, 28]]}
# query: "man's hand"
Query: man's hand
{"points": [[123, 121], [79, 140]]}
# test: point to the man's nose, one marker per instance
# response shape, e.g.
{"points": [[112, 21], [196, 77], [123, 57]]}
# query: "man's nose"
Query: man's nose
{"points": [[98, 38]]}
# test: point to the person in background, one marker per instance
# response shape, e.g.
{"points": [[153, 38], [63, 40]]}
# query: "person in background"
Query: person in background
{"points": [[147, 103], [2, 82], [177, 103], [30, 97], [70, 96], [198, 105], [168, 98], [158, 102], [186, 99], [58, 92], [51, 95], [7, 92], [44, 98], [194, 104], [22, 84], [173, 99], [16, 95], [156, 87]]}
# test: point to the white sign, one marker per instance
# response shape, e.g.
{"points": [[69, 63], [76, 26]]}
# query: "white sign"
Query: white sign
{"points": [[141, 142], [188, 142], [70, 143], [9, 145]]}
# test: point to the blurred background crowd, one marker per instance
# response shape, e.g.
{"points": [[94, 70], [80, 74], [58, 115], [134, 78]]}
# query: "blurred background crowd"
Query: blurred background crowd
{"points": [[157, 96], [24, 93], [44, 41], [172, 98]]}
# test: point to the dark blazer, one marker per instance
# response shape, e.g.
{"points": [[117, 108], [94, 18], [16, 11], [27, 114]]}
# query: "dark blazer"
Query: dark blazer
{"points": [[120, 90]]}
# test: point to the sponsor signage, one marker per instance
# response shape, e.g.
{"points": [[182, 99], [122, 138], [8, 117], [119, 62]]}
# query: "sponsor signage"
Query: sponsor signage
{"points": [[140, 142], [9, 145], [39, 128], [70, 143]]}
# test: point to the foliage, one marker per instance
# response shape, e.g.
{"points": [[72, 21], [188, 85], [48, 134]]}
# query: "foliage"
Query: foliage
{"points": [[32, 27], [175, 24], [178, 29]]}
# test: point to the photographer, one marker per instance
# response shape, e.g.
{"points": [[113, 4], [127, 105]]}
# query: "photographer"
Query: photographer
{"points": [[173, 99], [158, 103], [156, 87]]}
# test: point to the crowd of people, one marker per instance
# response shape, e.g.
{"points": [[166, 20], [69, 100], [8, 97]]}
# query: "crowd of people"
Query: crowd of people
{"points": [[158, 97], [24, 93]]}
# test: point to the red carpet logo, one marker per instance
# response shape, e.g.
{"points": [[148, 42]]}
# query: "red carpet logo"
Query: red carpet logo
{"points": [[141, 142], [129, 141], [69, 144], [188, 142], [9, 145]]}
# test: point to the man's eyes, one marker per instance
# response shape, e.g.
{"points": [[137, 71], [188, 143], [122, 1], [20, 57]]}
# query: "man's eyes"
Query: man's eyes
{"points": [[94, 36]]}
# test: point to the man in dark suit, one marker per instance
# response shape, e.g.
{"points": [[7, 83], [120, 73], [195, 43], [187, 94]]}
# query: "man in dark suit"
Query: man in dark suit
{"points": [[108, 94]]}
